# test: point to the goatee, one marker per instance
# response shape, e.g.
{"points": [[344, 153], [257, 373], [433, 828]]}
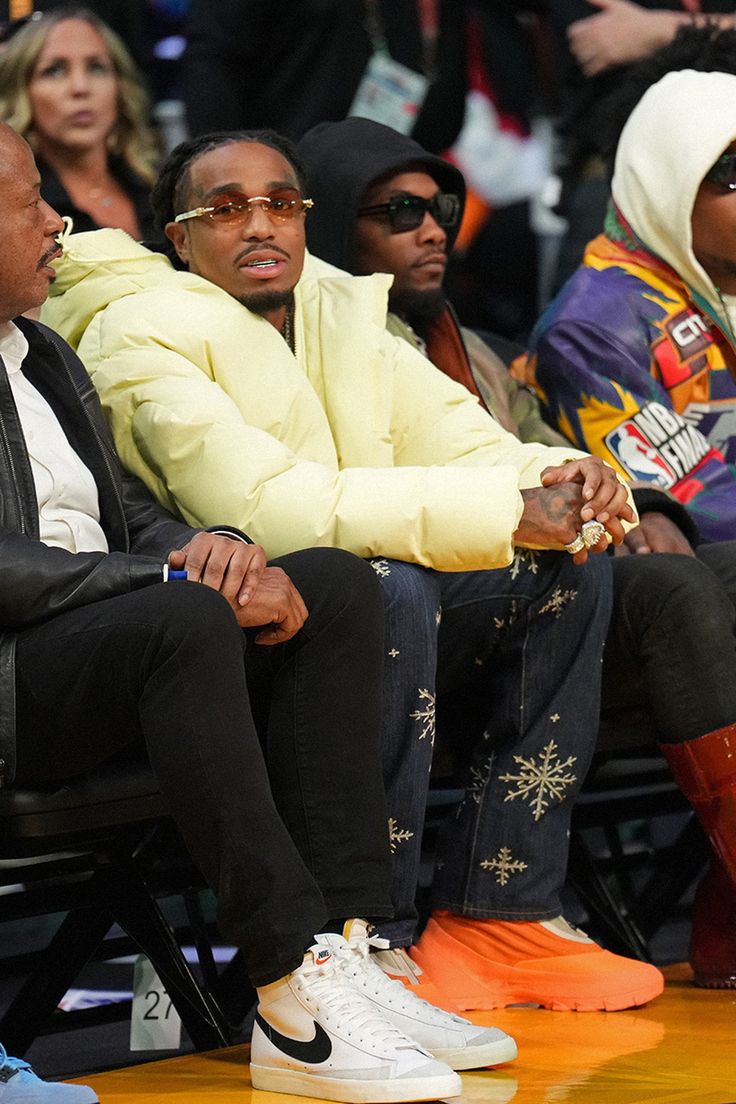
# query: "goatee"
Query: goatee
{"points": [[266, 301], [417, 306]]}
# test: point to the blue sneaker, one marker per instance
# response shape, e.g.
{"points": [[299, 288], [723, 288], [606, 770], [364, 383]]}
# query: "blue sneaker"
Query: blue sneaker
{"points": [[19, 1085]]}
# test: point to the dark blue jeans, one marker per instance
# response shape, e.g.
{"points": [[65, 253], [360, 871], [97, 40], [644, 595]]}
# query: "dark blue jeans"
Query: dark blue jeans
{"points": [[519, 649]]}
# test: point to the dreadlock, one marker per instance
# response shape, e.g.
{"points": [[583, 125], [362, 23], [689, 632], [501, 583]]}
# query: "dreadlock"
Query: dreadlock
{"points": [[171, 190]]}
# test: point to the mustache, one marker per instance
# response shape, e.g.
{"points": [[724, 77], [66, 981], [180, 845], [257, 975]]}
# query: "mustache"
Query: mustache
{"points": [[259, 247], [430, 255], [50, 255]]}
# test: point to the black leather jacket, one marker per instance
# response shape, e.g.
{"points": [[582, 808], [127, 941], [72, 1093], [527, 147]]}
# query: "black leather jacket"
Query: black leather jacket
{"points": [[37, 581]]}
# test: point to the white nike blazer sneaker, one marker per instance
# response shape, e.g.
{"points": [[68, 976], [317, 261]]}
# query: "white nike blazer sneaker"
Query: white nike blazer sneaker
{"points": [[451, 1039], [315, 1034]]}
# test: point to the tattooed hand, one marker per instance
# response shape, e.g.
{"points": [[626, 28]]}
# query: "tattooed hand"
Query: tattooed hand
{"points": [[552, 518], [551, 515], [605, 497]]}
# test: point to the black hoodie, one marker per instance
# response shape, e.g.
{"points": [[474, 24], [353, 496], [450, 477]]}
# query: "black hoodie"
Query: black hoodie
{"points": [[342, 160]]}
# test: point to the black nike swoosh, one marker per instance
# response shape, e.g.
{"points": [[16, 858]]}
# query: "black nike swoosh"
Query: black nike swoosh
{"points": [[313, 1050]]}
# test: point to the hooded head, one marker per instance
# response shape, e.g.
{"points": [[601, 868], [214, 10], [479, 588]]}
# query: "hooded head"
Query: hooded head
{"points": [[675, 135], [357, 163]]}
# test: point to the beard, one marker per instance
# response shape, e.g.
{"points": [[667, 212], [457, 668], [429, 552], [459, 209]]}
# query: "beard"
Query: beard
{"points": [[266, 301], [417, 306]]}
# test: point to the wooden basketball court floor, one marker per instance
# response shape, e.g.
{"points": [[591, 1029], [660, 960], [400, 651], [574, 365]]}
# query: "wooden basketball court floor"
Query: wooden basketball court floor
{"points": [[680, 1049]]}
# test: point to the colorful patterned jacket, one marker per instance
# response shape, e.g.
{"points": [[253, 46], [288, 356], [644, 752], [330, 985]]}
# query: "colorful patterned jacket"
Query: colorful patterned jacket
{"points": [[632, 368]]}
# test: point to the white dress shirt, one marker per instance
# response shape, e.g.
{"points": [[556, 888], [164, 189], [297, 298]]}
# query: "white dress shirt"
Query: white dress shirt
{"points": [[68, 503]]}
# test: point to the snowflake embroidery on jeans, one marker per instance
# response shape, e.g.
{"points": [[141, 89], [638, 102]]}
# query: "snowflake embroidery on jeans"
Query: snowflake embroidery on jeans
{"points": [[478, 779], [525, 557], [504, 866], [558, 601], [426, 716], [382, 568], [511, 618], [541, 782], [397, 835]]}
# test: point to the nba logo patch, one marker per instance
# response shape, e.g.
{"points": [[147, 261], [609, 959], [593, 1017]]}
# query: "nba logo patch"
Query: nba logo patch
{"points": [[638, 456]]}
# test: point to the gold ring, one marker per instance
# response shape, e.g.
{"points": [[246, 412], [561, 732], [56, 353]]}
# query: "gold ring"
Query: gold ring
{"points": [[576, 545], [591, 532]]}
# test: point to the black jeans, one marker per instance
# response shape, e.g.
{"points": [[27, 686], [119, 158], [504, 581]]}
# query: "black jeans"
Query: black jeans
{"points": [[669, 669], [288, 830]]}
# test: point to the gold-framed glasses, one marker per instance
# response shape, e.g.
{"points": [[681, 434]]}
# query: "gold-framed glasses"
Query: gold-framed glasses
{"points": [[232, 209]]}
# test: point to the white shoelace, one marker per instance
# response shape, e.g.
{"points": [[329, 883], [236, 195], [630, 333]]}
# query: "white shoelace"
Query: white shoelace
{"points": [[326, 984], [355, 960]]}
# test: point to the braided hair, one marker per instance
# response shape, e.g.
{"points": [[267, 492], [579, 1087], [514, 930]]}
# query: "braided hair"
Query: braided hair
{"points": [[171, 190]]}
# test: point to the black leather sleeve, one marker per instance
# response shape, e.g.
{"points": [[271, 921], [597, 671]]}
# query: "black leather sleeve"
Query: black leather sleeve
{"points": [[37, 582], [153, 530]]}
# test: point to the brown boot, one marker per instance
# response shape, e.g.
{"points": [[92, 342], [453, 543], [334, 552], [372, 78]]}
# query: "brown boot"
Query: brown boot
{"points": [[713, 935], [705, 771]]}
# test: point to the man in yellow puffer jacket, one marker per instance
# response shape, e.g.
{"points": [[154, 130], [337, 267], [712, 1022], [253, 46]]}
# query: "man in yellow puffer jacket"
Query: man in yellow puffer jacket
{"points": [[247, 382]]}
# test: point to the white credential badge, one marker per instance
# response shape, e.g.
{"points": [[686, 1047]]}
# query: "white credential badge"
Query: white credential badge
{"points": [[390, 93]]}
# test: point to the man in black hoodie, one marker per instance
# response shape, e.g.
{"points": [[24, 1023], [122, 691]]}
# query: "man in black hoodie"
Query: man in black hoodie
{"points": [[354, 166], [382, 203]]}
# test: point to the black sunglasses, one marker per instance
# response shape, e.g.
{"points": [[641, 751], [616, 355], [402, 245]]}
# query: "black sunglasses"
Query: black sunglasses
{"points": [[723, 173], [407, 211]]}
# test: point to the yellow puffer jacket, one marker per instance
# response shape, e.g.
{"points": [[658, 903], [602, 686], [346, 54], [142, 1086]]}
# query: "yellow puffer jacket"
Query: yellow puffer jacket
{"points": [[357, 441]]}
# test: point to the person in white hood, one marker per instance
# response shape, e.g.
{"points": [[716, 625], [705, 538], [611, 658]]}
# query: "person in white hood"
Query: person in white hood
{"points": [[636, 361], [635, 357]]}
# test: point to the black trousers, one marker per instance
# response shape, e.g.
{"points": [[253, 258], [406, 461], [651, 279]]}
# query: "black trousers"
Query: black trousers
{"points": [[669, 670], [287, 824]]}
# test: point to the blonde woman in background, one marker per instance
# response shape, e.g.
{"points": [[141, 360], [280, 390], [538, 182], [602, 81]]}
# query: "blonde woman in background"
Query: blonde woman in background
{"points": [[70, 87]]}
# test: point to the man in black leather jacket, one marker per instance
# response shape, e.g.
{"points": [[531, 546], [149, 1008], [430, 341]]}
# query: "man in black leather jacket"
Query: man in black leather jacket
{"points": [[103, 649]]}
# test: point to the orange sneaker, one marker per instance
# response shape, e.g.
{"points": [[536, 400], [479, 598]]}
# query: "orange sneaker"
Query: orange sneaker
{"points": [[484, 964]]}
